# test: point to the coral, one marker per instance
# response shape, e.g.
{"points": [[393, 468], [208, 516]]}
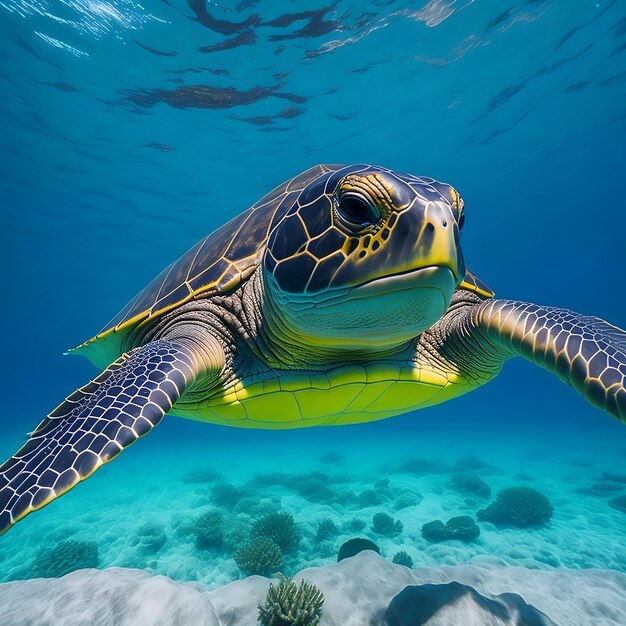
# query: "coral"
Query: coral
{"points": [[454, 603], [384, 524], [315, 488], [257, 507], [225, 495], [64, 558], [354, 546], [280, 528], [355, 524], [403, 558], [619, 503], [462, 527], [435, 531], [288, 604], [407, 498], [150, 538], [208, 530], [369, 497], [470, 483], [259, 556], [383, 488], [236, 533], [326, 529], [518, 506]]}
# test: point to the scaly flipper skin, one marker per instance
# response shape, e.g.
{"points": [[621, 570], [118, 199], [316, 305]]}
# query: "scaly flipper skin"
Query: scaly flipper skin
{"points": [[585, 352], [94, 425]]}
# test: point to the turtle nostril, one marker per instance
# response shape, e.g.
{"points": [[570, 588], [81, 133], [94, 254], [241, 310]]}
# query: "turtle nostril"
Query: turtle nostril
{"points": [[444, 224]]}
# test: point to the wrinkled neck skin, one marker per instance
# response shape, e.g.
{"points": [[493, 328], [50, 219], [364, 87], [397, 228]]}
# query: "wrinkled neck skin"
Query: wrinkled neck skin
{"points": [[251, 328], [459, 344], [283, 346]]}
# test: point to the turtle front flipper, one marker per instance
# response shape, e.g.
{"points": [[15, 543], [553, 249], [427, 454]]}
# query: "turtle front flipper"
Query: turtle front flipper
{"points": [[94, 424], [583, 351]]}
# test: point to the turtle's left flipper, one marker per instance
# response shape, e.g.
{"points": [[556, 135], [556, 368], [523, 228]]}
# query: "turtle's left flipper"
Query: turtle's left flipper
{"points": [[585, 352], [95, 424]]}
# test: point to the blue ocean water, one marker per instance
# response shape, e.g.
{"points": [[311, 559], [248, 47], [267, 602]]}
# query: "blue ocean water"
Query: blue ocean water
{"points": [[130, 131]]}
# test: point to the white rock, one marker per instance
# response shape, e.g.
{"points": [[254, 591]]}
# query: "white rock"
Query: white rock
{"points": [[116, 596], [357, 591]]}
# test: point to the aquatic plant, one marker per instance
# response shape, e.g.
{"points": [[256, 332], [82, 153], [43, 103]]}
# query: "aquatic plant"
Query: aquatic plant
{"points": [[354, 546], [150, 538], [619, 503], [288, 604], [462, 527], [260, 556], [384, 524], [518, 506], [403, 558], [280, 528], [326, 529], [208, 530], [470, 483], [65, 557]]}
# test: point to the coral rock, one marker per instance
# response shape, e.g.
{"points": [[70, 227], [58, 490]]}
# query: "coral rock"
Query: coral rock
{"points": [[354, 546], [454, 603], [518, 506]]}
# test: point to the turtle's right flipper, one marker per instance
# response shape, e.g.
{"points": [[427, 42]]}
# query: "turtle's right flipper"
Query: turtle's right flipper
{"points": [[94, 425], [583, 351]]}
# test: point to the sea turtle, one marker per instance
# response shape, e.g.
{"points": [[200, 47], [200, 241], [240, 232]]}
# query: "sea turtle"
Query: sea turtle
{"points": [[340, 297]]}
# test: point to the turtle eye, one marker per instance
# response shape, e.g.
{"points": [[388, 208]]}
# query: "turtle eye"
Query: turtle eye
{"points": [[356, 211]]}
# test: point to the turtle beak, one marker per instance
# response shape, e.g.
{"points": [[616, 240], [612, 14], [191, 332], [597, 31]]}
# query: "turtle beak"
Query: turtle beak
{"points": [[438, 242]]}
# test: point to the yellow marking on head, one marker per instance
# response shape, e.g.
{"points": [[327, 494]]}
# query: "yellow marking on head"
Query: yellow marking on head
{"points": [[373, 186], [486, 293], [457, 201]]}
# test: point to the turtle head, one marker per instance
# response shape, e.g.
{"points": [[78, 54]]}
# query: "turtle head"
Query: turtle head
{"points": [[365, 257]]}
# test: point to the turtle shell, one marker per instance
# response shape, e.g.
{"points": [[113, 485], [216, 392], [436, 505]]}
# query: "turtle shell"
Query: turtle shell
{"points": [[216, 264]]}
